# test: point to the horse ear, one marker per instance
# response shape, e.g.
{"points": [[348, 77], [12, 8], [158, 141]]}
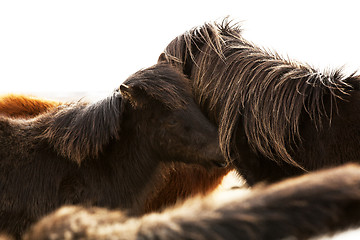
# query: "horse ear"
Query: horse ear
{"points": [[162, 58], [133, 94], [126, 91]]}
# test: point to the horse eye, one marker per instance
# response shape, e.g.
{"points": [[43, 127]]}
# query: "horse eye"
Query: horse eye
{"points": [[172, 122]]}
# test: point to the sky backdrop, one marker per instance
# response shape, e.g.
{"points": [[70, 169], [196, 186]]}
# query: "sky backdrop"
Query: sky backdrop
{"points": [[92, 46]]}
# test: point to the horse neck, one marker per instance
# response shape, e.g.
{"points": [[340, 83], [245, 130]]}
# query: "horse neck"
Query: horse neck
{"points": [[247, 85], [134, 170]]}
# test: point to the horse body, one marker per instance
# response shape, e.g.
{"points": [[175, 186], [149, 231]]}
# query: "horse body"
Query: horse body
{"points": [[277, 118], [336, 142], [103, 154], [179, 180], [303, 207]]}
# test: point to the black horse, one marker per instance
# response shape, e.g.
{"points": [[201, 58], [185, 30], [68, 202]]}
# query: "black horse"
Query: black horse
{"points": [[103, 154], [276, 117]]}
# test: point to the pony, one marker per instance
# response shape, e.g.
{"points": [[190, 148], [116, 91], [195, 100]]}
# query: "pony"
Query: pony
{"points": [[180, 180], [277, 118], [104, 154], [303, 207]]}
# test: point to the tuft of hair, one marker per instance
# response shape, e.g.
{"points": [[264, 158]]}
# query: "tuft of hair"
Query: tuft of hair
{"points": [[239, 84], [80, 130]]}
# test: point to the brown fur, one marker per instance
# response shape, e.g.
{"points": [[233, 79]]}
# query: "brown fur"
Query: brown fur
{"points": [[180, 181], [24, 106], [106, 153], [304, 207], [276, 117], [184, 181]]}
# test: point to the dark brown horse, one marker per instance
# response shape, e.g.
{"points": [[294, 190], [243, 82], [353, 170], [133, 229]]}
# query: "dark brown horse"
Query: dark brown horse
{"points": [[103, 154], [180, 180], [301, 208], [276, 117]]}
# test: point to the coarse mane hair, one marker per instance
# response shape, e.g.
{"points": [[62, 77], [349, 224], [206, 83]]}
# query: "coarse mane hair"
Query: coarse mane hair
{"points": [[68, 127], [240, 85]]}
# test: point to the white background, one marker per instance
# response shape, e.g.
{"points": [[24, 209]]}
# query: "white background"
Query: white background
{"points": [[92, 46]]}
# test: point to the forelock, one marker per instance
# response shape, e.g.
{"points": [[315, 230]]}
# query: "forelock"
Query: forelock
{"points": [[164, 83]]}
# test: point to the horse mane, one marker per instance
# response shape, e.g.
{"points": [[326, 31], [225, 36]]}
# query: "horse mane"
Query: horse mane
{"points": [[80, 130], [235, 82]]}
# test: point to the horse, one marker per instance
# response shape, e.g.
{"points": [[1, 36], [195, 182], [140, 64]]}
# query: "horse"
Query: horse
{"points": [[23, 106], [277, 117], [180, 180], [104, 154], [266, 139], [303, 207]]}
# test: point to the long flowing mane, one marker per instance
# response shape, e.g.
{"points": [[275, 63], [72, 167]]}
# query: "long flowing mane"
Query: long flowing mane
{"points": [[236, 82]]}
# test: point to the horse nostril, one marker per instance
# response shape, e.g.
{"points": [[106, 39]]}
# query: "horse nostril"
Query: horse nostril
{"points": [[222, 164]]}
